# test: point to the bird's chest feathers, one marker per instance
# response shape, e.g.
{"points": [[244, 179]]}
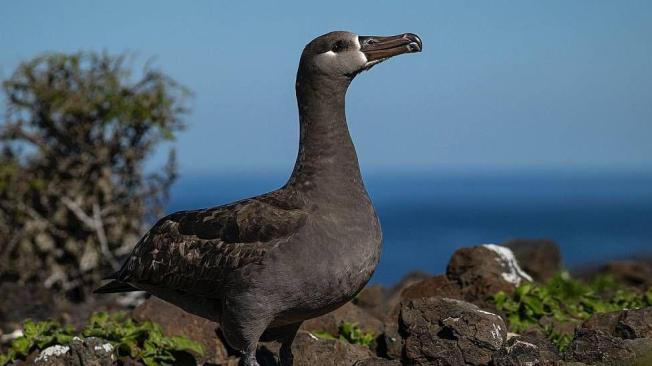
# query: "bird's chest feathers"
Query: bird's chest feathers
{"points": [[349, 255]]}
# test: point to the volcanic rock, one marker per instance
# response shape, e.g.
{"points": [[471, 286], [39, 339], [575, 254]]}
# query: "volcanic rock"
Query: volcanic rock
{"points": [[526, 350], [80, 352], [393, 299], [482, 271], [626, 324], [540, 258], [350, 313], [378, 362], [594, 346], [434, 286], [441, 331], [635, 324], [309, 350], [373, 299], [630, 272]]}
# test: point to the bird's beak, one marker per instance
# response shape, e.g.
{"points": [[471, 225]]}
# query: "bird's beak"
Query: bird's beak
{"points": [[377, 48]]}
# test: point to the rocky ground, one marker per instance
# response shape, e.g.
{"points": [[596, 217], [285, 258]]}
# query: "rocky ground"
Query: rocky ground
{"points": [[448, 319]]}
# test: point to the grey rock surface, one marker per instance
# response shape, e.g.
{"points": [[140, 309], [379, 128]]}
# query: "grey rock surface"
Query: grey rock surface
{"points": [[613, 337], [393, 300], [80, 352], [631, 272], [441, 331], [526, 350], [440, 286], [373, 299], [349, 313], [483, 270], [311, 351], [635, 324], [392, 341], [378, 362], [626, 324], [540, 258], [595, 346]]}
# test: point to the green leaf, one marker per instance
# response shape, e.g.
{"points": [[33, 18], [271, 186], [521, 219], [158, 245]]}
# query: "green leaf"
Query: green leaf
{"points": [[535, 305], [22, 346], [62, 338], [352, 333], [150, 361], [130, 347], [500, 298], [7, 357], [523, 290], [30, 329], [44, 341], [100, 318], [185, 344]]}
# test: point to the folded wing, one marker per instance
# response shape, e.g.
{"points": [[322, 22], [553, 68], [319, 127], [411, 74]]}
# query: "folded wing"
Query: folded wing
{"points": [[195, 251]]}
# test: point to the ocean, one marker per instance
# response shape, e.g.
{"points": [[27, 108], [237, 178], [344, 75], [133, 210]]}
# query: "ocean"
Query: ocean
{"points": [[425, 217]]}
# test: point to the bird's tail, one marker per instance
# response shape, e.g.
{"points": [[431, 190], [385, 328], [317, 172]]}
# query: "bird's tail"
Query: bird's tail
{"points": [[115, 286]]}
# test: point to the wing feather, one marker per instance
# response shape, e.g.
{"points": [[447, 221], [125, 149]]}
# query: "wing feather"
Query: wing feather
{"points": [[194, 251]]}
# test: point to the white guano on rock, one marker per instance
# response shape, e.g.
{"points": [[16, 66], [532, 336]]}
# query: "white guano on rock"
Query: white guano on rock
{"points": [[513, 272], [52, 351]]}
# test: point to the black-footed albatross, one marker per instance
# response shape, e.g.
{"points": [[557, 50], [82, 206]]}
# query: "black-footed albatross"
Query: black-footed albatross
{"points": [[263, 265]]}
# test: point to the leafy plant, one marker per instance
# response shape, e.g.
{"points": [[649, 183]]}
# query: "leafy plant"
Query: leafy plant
{"points": [[143, 341], [38, 335], [565, 299], [560, 340], [349, 332], [352, 333]]}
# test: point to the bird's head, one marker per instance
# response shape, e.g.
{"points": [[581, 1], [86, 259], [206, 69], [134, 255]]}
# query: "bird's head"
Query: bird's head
{"points": [[345, 54]]}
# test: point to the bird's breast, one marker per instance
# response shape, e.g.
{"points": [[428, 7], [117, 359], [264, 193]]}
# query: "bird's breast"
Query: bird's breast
{"points": [[328, 261], [347, 256]]}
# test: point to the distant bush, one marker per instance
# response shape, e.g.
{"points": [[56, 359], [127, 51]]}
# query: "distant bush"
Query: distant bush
{"points": [[565, 299], [73, 194], [139, 341]]}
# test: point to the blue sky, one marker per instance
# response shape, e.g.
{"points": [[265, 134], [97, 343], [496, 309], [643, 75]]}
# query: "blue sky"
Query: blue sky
{"points": [[499, 85]]}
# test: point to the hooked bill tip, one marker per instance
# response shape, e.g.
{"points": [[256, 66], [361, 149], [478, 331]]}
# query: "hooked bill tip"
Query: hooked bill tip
{"points": [[414, 47]]}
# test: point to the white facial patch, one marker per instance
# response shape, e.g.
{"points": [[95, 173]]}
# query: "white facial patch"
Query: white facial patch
{"points": [[330, 53], [363, 58]]}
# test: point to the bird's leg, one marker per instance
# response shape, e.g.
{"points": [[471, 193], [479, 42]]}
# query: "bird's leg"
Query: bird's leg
{"points": [[242, 326], [249, 357], [285, 353]]}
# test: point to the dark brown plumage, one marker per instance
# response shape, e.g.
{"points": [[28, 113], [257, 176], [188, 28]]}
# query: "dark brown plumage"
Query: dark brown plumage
{"points": [[190, 251], [263, 265]]}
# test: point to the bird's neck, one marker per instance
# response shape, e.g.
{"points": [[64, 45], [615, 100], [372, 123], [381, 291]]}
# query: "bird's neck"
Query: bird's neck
{"points": [[327, 159]]}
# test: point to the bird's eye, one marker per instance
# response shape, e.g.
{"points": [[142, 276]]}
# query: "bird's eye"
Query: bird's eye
{"points": [[338, 46]]}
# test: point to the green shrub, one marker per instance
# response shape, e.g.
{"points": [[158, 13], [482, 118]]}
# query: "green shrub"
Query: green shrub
{"points": [[565, 299], [143, 341], [352, 333], [349, 332], [37, 336]]}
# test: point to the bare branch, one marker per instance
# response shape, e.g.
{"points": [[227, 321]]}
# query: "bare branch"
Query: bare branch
{"points": [[95, 223], [101, 236], [76, 209]]}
